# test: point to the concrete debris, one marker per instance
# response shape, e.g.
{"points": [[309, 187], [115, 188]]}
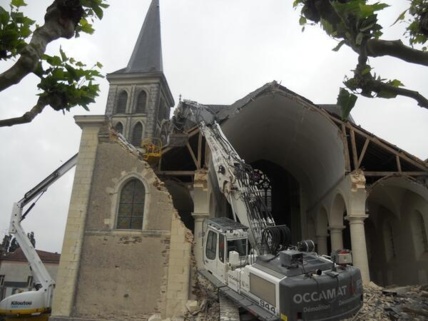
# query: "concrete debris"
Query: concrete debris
{"points": [[193, 307], [206, 306], [155, 317], [404, 303]]}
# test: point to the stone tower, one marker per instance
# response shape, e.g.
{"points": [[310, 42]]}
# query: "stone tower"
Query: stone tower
{"points": [[126, 254], [139, 99]]}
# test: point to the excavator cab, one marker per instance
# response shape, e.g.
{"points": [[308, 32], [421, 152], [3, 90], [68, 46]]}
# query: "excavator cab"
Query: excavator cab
{"points": [[225, 246]]}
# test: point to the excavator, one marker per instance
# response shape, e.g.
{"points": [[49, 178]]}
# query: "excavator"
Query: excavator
{"points": [[32, 305], [249, 258]]}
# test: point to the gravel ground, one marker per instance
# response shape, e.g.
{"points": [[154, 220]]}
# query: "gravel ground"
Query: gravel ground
{"points": [[394, 303]]}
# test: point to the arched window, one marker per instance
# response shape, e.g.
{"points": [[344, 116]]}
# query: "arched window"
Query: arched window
{"points": [[119, 127], [264, 186], [121, 102], [131, 205], [137, 135], [141, 102]]}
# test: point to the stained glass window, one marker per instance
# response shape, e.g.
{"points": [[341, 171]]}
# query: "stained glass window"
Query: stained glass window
{"points": [[264, 186], [131, 205]]}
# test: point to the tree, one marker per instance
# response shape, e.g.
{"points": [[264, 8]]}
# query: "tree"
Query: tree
{"points": [[10, 244], [354, 23], [64, 81]]}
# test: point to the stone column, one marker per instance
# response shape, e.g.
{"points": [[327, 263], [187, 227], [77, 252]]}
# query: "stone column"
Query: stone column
{"points": [[336, 237], [322, 244], [359, 248], [200, 213], [356, 217]]}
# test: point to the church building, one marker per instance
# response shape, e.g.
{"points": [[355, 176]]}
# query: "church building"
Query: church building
{"points": [[134, 231]]}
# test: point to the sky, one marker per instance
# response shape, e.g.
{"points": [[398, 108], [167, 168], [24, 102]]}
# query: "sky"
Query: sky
{"points": [[214, 52]]}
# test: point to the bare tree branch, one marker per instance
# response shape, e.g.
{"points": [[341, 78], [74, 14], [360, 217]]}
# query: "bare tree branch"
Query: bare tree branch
{"points": [[379, 86], [395, 48], [60, 22], [28, 116]]}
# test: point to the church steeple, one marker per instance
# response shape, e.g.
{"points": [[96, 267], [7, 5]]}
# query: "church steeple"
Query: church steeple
{"points": [[147, 54], [139, 99]]}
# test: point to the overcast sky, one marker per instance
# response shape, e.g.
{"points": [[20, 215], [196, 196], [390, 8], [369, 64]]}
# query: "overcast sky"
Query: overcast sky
{"points": [[214, 51]]}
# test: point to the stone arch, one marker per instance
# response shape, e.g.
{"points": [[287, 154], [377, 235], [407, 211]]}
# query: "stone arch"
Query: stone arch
{"points": [[337, 211], [141, 103], [131, 202], [336, 219], [122, 101], [286, 197], [114, 191]]}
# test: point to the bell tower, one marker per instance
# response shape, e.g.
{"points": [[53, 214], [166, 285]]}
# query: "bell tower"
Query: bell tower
{"points": [[139, 99]]}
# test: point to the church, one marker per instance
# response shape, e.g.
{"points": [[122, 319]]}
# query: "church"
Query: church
{"points": [[135, 225]]}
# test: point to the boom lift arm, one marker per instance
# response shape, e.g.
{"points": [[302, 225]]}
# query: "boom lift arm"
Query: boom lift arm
{"points": [[33, 302]]}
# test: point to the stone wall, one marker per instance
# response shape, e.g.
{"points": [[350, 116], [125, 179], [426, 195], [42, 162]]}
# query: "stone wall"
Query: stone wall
{"points": [[126, 274]]}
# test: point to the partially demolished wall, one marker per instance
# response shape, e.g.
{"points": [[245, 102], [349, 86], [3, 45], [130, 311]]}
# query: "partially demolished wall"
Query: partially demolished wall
{"points": [[120, 274]]}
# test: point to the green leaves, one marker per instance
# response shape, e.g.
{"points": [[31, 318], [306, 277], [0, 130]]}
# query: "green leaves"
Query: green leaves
{"points": [[416, 18], [18, 3], [346, 101], [93, 9], [354, 23], [67, 83], [15, 28]]}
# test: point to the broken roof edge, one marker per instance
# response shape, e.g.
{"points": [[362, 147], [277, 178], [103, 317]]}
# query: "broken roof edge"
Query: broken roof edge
{"points": [[273, 87], [18, 256], [331, 110]]}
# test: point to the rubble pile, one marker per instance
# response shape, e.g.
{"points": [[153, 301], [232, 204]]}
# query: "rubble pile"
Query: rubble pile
{"points": [[394, 303]]}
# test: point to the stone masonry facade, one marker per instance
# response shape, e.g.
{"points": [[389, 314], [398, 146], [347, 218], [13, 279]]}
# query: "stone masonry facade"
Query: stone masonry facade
{"points": [[109, 274]]}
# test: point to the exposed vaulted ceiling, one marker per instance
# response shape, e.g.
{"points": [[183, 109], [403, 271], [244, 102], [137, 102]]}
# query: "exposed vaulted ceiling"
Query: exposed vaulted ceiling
{"points": [[292, 133]]}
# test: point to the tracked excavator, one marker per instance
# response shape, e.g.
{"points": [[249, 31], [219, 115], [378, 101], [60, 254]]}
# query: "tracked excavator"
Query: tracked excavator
{"points": [[249, 258], [32, 305]]}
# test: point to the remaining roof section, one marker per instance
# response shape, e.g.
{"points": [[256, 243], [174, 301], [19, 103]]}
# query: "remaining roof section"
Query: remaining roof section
{"points": [[276, 124], [18, 256], [147, 54]]}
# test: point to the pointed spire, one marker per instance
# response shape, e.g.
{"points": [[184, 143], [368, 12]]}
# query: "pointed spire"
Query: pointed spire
{"points": [[147, 54]]}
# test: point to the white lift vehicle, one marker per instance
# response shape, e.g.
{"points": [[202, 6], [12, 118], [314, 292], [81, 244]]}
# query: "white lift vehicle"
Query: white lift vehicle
{"points": [[32, 304], [249, 258]]}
